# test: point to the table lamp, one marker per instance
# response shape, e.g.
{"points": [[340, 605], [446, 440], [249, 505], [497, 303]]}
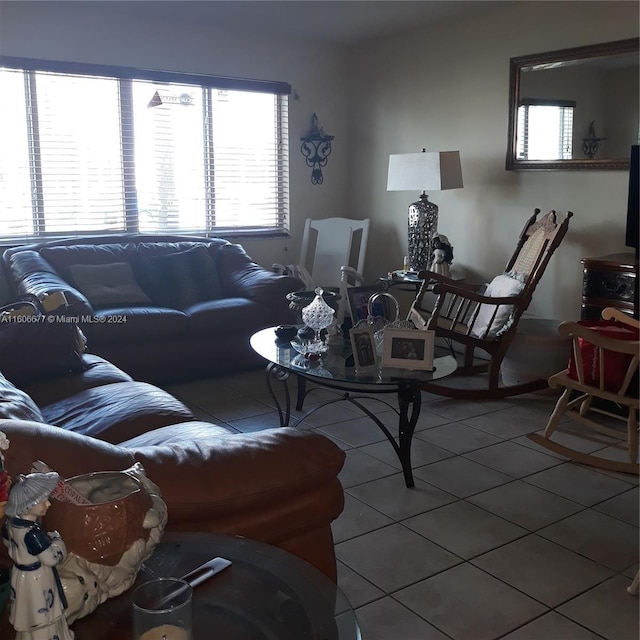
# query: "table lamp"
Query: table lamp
{"points": [[426, 171]]}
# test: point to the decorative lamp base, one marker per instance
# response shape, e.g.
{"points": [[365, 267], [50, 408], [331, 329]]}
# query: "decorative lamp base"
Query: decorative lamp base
{"points": [[423, 225]]}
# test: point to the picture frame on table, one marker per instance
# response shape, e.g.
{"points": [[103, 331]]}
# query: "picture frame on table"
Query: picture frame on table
{"points": [[359, 303], [363, 347], [408, 348]]}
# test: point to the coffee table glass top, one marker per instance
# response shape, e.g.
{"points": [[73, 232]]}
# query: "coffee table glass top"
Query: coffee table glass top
{"points": [[266, 594], [337, 364]]}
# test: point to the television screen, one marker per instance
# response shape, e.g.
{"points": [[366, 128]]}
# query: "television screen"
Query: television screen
{"points": [[633, 212]]}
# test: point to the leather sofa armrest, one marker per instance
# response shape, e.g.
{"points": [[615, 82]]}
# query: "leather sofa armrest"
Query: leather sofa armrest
{"points": [[68, 453], [243, 278], [32, 274]]}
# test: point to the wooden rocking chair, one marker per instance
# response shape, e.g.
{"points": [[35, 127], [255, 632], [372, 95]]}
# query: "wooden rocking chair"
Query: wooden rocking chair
{"points": [[577, 399], [488, 321]]}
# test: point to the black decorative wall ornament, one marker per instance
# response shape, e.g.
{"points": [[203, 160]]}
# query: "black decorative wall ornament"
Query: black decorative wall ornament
{"points": [[316, 147]]}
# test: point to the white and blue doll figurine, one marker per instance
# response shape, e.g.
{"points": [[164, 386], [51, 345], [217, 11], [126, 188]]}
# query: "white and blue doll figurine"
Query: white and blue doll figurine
{"points": [[37, 598]]}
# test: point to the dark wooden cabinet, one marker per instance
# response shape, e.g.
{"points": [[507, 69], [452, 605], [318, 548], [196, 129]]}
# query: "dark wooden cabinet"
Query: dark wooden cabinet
{"points": [[609, 281]]}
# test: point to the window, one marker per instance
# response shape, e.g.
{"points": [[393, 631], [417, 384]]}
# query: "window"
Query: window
{"points": [[89, 149], [545, 130]]}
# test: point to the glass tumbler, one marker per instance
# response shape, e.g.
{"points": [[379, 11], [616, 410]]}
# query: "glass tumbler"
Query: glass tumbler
{"points": [[162, 610]]}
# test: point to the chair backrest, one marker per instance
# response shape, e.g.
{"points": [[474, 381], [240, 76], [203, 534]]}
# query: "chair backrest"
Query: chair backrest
{"points": [[538, 240], [332, 243]]}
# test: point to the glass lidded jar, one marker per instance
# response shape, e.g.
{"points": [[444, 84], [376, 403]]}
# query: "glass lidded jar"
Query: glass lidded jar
{"points": [[318, 315]]}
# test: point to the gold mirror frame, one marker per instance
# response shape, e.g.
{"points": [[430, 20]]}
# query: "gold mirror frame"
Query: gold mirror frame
{"points": [[562, 55]]}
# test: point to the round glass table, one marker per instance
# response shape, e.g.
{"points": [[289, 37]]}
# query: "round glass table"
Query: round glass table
{"points": [[336, 370], [266, 594]]}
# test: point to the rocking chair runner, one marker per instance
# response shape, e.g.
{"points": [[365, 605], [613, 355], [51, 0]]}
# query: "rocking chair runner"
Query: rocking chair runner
{"points": [[489, 321], [577, 399]]}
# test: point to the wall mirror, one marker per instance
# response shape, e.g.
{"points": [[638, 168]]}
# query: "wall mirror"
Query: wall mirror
{"points": [[574, 108]]}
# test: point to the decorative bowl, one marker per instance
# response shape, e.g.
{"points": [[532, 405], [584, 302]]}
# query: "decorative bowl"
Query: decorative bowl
{"points": [[309, 346]]}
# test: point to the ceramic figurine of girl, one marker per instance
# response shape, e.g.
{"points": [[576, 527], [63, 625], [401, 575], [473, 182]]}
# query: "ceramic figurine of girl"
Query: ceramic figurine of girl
{"points": [[442, 255], [37, 598]]}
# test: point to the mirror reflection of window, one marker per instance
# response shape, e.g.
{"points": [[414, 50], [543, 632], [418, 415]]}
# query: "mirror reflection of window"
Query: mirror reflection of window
{"points": [[545, 129]]}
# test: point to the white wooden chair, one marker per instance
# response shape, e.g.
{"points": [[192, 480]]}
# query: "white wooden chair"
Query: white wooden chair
{"points": [[332, 254], [582, 399]]}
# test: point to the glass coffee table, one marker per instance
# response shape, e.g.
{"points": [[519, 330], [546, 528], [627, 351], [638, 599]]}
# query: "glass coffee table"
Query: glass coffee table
{"points": [[335, 370], [266, 594]]}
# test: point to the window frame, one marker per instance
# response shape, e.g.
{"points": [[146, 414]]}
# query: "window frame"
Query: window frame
{"points": [[200, 81]]}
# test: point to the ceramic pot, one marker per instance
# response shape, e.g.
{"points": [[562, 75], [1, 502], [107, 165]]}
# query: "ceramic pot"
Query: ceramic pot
{"points": [[101, 532]]}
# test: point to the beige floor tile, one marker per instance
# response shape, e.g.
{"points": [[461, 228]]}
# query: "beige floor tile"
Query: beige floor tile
{"points": [[387, 619], [624, 506], [552, 626], [512, 459], [607, 609], [464, 529], [543, 570], [357, 518], [457, 438], [460, 476], [525, 505], [580, 484], [421, 453], [360, 467], [358, 590], [384, 495], [469, 604], [360, 430], [508, 423], [598, 536], [394, 557]]}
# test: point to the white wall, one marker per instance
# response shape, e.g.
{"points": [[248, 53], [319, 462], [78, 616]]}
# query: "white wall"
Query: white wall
{"points": [[106, 33], [447, 88]]}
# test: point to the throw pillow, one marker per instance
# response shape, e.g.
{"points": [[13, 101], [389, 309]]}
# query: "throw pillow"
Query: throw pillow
{"points": [[106, 285], [501, 286], [178, 280], [44, 347]]}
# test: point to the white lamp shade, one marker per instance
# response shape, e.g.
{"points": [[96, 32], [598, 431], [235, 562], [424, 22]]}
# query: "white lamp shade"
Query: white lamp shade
{"points": [[426, 171]]}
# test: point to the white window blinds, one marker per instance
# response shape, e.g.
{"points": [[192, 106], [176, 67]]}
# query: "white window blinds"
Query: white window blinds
{"points": [[111, 152], [545, 130]]}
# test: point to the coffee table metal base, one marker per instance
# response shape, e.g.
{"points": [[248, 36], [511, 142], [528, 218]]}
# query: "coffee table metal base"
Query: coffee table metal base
{"points": [[409, 403]]}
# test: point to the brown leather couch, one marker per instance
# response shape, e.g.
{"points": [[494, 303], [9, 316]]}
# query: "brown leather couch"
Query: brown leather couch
{"points": [[277, 485], [168, 307]]}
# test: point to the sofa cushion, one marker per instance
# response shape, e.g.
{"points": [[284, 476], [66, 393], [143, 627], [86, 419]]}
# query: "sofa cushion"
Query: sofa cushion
{"points": [[48, 346], [117, 412], [108, 285], [179, 279], [16, 404], [228, 315], [125, 325], [97, 371]]}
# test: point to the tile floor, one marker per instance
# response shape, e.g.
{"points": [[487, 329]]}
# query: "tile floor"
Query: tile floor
{"points": [[499, 538]]}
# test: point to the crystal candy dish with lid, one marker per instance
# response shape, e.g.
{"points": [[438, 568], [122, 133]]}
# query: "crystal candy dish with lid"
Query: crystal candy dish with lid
{"points": [[318, 316]]}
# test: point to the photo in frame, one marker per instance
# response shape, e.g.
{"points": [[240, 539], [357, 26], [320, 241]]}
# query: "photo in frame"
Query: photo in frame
{"points": [[359, 302], [408, 348], [363, 348]]}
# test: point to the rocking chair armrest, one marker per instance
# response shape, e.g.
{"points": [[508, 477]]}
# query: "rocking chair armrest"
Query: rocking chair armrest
{"points": [[576, 330], [476, 297], [430, 277], [610, 313]]}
